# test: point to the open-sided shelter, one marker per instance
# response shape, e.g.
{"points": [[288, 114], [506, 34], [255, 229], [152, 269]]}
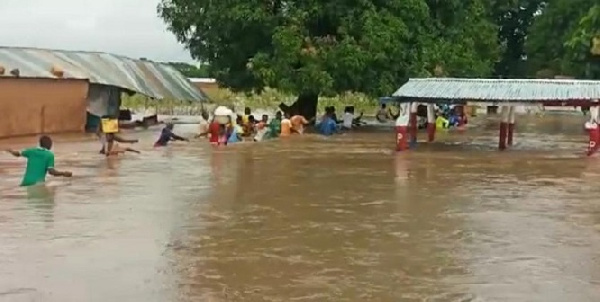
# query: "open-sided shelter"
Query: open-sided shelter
{"points": [[506, 93]]}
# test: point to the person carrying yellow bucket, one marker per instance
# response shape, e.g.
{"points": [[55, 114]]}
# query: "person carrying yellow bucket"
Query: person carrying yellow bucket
{"points": [[107, 132]]}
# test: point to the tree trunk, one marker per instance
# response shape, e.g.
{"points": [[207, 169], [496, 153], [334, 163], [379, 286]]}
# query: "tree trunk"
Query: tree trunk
{"points": [[305, 105]]}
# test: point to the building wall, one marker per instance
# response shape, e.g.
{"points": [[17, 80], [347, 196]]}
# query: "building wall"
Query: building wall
{"points": [[211, 89], [35, 106]]}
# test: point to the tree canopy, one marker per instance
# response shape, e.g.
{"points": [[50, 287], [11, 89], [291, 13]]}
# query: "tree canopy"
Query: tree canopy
{"points": [[326, 47], [561, 38], [321, 47], [514, 19]]}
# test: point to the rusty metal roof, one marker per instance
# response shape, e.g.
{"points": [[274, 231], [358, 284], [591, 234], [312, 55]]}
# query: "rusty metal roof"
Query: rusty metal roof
{"points": [[156, 80], [499, 90]]}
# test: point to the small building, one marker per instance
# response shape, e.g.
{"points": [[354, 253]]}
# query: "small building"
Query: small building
{"points": [[52, 91], [208, 86]]}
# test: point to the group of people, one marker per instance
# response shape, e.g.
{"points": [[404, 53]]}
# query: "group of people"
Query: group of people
{"points": [[227, 127], [449, 117], [224, 128], [446, 116]]}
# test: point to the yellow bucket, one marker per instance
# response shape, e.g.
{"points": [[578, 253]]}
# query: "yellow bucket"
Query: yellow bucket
{"points": [[110, 125]]}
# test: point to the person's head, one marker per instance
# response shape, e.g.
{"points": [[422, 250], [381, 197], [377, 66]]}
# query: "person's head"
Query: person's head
{"points": [[247, 111], [169, 126], [251, 119], [347, 109], [383, 106], [204, 114], [46, 142], [278, 115], [239, 120], [287, 115], [265, 118]]}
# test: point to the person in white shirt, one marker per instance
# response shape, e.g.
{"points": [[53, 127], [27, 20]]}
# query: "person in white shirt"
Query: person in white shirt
{"points": [[349, 120]]}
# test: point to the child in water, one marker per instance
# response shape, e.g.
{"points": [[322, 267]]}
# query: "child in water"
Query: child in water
{"points": [[102, 136], [167, 135], [112, 148], [40, 161]]}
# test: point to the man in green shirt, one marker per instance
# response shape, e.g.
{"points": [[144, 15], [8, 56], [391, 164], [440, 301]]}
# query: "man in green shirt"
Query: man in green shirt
{"points": [[275, 126], [40, 160]]}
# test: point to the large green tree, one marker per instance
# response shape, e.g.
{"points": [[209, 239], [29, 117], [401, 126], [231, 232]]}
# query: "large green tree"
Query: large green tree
{"points": [[561, 37], [318, 47], [514, 19]]}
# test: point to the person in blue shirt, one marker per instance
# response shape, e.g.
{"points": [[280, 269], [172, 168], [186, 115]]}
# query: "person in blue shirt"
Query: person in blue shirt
{"points": [[167, 135], [237, 130], [328, 125]]}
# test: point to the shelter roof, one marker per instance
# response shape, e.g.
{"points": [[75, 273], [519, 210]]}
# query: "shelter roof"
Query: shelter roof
{"points": [[156, 80], [498, 90]]}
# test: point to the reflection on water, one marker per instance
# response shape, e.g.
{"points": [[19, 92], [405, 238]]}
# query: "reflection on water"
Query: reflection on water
{"points": [[311, 219]]}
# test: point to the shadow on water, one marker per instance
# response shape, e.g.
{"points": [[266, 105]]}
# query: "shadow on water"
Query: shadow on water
{"points": [[312, 219]]}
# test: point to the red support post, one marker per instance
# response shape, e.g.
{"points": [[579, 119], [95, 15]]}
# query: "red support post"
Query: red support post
{"points": [[503, 135], [430, 132], [511, 130], [505, 113], [401, 138], [413, 127]]}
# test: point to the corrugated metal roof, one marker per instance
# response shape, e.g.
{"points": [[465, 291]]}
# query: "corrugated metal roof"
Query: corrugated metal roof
{"points": [[156, 80], [519, 90]]}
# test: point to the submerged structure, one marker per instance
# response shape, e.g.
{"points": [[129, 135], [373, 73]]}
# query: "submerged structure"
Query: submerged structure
{"points": [[51, 91], [506, 93]]}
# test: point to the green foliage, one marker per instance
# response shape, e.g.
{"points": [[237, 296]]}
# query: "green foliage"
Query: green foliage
{"points": [[514, 19], [268, 100], [331, 47], [561, 36]]}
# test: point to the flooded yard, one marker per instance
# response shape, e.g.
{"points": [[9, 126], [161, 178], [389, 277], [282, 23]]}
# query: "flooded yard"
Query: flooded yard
{"points": [[309, 219]]}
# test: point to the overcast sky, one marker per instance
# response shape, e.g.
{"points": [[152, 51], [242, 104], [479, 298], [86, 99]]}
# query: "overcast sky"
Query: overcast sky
{"points": [[126, 27]]}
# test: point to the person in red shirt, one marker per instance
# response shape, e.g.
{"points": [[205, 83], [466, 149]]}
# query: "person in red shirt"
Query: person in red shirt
{"points": [[213, 132]]}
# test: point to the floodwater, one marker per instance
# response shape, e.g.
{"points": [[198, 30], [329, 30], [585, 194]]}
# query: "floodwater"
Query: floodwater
{"points": [[310, 219]]}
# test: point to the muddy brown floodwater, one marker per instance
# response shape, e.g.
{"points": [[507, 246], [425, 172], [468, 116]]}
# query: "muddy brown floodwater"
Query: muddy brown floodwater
{"points": [[310, 219]]}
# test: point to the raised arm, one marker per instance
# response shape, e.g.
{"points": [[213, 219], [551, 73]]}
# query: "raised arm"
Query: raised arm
{"points": [[177, 137], [14, 153]]}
